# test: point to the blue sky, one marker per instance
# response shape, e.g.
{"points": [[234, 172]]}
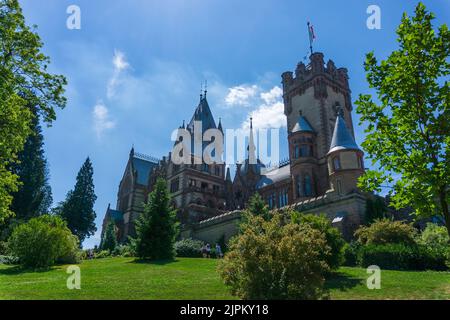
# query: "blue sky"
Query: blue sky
{"points": [[135, 68]]}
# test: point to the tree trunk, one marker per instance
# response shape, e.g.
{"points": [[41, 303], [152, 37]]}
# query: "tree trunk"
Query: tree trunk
{"points": [[444, 205]]}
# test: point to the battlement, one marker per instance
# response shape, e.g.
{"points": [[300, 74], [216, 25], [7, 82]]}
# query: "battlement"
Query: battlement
{"points": [[304, 74]]}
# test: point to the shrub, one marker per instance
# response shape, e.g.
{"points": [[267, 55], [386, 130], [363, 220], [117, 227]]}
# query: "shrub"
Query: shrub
{"points": [[351, 251], [102, 254], [3, 248], [42, 242], [332, 235], [402, 257], [188, 248], [386, 231], [434, 236], [109, 241], [125, 251], [273, 260], [8, 260]]}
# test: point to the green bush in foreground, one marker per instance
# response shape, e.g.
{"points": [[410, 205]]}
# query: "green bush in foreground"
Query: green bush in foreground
{"points": [[335, 257], [402, 257], [43, 242], [385, 231], [273, 260], [188, 248]]}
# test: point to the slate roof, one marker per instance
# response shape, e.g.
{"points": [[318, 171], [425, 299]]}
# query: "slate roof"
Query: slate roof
{"points": [[115, 215], [274, 176], [342, 138], [203, 113], [143, 168], [302, 125]]}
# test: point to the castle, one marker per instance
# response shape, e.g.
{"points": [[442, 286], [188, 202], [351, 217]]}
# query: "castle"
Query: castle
{"points": [[319, 177]]}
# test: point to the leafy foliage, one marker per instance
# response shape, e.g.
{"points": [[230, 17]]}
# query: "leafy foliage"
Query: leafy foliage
{"points": [[434, 236], [24, 81], [333, 237], [78, 208], [408, 131], [386, 231], [375, 209], [398, 256], [109, 240], [274, 260], [43, 241], [156, 227], [188, 248]]}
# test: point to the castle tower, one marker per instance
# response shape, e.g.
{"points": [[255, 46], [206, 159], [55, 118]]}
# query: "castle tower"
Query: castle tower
{"points": [[303, 160], [345, 159], [315, 90]]}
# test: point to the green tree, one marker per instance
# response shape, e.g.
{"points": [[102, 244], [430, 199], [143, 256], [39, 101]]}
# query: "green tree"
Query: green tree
{"points": [[34, 196], [24, 81], [156, 227], [109, 240], [78, 208], [408, 130]]}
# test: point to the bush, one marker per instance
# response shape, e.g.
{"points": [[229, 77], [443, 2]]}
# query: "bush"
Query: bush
{"points": [[273, 260], [102, 254], [188, 248], [434, 236], [402, 257], [8, 260], [332, 235], [386, 231], [42, 242], [125, 251], [3, 248], [351, 251]]}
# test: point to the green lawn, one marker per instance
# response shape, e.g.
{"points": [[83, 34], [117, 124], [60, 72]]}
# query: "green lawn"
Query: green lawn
{"points": [[122, 278]]}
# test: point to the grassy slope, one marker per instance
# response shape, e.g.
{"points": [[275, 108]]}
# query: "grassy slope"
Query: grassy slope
{"points": [[122, 278]]}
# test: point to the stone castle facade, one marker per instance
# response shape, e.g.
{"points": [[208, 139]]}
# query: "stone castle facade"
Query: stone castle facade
{"points": [[319, 177]]}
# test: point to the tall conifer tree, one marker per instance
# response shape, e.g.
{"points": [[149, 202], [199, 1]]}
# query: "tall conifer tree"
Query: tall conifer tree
{"points": [[78, 208]]}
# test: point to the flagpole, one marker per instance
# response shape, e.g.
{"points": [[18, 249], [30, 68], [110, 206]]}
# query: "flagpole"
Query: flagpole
{"points": [[310, 38]]}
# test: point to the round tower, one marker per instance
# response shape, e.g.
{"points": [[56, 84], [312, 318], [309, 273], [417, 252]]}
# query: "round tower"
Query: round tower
{"points": [[303, 159], [345, 159]]}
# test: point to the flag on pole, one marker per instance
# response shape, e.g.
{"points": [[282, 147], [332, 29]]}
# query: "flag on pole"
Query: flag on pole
{"points": [[312, 35]]}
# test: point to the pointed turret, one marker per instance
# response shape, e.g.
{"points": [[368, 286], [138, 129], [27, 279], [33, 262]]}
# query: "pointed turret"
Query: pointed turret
{"points": [[220, 125], [345, 158], [228, 176], [342, 138]]}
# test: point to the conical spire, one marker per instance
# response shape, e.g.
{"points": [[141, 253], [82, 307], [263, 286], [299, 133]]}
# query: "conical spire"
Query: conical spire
{"points": [[342, 138], [220, 125], [228, 176], [251, 145]]}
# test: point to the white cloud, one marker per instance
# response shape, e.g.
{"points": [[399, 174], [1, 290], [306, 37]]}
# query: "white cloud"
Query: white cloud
{"points": [[120, 64], [270, 111], [272, 96], [241, 95], [102, 121]]}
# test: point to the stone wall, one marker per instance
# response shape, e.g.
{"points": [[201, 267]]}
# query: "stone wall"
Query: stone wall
{"points": [[346, 213]]}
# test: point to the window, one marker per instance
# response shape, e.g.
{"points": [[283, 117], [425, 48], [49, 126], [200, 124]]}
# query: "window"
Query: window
{"points": [[298, 186], [175, 185], [307, 186], [216, 188], [296, 152], [204, 185], [304, 150], [192, 183], [217, 170], [360, 162], [336, 163], [339, 186], [205, 167]]}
